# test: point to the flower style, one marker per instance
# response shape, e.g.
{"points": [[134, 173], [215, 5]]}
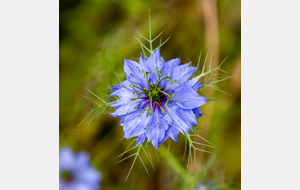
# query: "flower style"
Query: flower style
{"points": [[75, 172], [157, 101]]}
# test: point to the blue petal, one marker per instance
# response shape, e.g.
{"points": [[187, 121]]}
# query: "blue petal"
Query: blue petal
{"points": [[191, 117], [153, 122], [80, 186], [193, 83], [172, 133], [155, 60], [168, 67], [156, 127], [125, 96], [180, 71], [153, 77], [66, 159], [181, 74], [125, 83], [156, 134], [140, 139], [91, 177], [164, 139], [167, 118], [154, 63], [177, 115], [144, 105], [121, 123], [63, 185], [197, 112], [133, 72], [82, 161], [126, 108], [135, 125], [187, 98], [124, 104], [163, 123], [197, 86], [143, 62], [170, 121], [188, 73], [176, 74]]}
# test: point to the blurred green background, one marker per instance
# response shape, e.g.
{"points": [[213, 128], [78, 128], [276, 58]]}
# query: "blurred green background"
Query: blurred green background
{"points": [[94, 34]]}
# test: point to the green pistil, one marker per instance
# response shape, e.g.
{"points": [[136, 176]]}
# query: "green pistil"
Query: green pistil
{"points": [[162, 79], [144, 111], [137, 104], [154, 93], [158, 103], [141, 92], [169, 98], [150, 109]]}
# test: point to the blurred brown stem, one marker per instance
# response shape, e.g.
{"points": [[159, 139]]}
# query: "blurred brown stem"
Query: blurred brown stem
{"points": [[211, 32]]}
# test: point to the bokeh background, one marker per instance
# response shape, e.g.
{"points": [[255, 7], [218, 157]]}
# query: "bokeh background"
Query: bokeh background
{"points": [[96, 35]]}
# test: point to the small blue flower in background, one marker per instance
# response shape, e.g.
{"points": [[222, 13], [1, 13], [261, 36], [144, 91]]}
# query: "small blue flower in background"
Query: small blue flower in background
{"points": [[75, 172], [206, 186], [157, 101]]}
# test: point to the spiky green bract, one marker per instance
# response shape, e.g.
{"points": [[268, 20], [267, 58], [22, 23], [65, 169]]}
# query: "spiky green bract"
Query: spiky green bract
{"points": [[138, 150], [95, 111], [184, 180]]}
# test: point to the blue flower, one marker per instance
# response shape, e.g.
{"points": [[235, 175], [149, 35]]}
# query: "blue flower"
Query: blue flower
{"points": [[75, 172], [206, 186], [157, 101]]}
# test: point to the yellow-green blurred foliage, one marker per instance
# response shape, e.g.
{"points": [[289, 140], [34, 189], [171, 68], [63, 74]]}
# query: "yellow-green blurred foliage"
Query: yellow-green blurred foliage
{"points": [[95, 34]]}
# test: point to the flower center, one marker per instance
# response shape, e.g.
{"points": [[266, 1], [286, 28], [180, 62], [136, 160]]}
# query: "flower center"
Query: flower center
{"points": [[66, 176], [154, 93]]}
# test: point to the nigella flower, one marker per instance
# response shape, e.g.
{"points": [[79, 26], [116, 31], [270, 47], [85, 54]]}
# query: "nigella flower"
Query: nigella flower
{"points": [[206, 186], [157, 101], [75, 172]]}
